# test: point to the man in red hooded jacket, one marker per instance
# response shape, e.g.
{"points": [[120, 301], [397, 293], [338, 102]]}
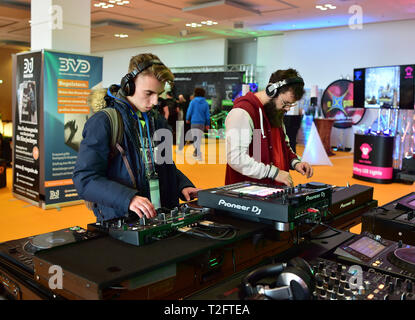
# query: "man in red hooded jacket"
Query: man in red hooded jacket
{"points": [[257, 145]]}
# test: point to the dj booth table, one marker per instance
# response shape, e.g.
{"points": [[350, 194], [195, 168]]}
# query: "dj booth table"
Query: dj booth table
{"points": [[106, 268], [172, 268]]}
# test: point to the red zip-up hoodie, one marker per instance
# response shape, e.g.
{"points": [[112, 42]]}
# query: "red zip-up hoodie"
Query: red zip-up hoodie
{"points": [[275, 149]]}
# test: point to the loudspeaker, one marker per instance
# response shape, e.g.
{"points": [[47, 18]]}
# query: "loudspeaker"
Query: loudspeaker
{"points": [[294, 281], [273, 88], [127, 82]]}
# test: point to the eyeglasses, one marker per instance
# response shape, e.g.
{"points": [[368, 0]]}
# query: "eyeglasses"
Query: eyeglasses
{"points": [[287, 104]]}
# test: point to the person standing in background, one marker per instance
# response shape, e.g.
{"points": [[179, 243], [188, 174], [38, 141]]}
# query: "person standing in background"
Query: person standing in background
{"points": [[198, 115], [182, 104]]}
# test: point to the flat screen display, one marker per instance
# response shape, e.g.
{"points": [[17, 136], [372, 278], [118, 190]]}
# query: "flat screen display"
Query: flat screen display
{"points": [[257, 191], [382, 87], [367, 247]]}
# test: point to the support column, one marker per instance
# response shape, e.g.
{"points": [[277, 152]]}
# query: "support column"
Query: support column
{"points": [[62, 25]]}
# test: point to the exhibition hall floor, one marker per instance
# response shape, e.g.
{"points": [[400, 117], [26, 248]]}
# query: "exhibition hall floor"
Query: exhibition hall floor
{"points": [[19, 219]]}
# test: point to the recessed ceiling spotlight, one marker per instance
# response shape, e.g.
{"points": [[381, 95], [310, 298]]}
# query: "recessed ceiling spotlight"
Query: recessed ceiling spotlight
{"points": [[325, 7], [201, 24]]}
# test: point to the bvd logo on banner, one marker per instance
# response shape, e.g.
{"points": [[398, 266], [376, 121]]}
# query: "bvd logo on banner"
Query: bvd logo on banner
{"points": [[74, 65]]}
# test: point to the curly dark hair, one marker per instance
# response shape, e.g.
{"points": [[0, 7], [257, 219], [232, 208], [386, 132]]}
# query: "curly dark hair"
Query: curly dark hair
{"points": [[297, 88], [199, 92]]}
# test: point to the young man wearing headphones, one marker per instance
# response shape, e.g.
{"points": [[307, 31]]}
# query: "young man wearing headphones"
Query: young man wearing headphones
{"points": [[129, 179], [258, 147]]}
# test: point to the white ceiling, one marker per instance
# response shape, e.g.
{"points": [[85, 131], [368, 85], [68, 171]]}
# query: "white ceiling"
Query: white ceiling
{"points": [[153, 22]]}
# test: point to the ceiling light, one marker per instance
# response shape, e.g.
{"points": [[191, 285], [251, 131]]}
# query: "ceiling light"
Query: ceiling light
{"points": [[204, 22]]}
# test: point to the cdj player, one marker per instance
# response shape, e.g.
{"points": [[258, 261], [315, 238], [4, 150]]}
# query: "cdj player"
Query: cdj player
{"points": [[281, 206], [377, 253], [20, 252], [394, 220]]}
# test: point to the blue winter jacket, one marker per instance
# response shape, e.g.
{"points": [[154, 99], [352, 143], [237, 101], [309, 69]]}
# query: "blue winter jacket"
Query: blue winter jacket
{"points": [[198, 111], [100, 175]]}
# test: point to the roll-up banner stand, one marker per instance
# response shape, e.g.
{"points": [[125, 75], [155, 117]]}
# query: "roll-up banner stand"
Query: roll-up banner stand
{"points": [[49, 112]]}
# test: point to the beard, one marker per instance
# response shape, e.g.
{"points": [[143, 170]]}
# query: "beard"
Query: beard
{"points": [[275, 116]]}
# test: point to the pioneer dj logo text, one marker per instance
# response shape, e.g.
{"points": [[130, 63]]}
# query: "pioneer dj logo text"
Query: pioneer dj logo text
{"points": [[74, 65], [56, 280], [253, 209], [316, 196], [350, 203]]}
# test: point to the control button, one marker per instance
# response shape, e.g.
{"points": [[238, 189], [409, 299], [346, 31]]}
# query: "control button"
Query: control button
{"points": [[362, 290], [333, 296], [386, 297], [343, 277], [370, 296], [391, 287], [403, 296], [381, 286]]}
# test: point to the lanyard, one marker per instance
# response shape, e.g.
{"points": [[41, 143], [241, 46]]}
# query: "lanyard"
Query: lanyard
{"points": [[148, 136], [134, 115]]}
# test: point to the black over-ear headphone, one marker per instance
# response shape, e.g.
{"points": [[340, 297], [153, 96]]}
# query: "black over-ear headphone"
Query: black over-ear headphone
{"points": [[273, 88], [127, 82], [294, 281]]}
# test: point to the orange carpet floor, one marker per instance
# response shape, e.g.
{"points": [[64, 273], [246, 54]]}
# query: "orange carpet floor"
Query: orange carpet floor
{"points": [[19, 219]]}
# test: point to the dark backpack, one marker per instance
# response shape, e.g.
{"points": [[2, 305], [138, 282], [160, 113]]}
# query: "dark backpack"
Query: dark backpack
{"points": [[117, 132]]}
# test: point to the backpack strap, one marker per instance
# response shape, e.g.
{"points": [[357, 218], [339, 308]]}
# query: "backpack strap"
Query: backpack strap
{"points": [[117, 132]]}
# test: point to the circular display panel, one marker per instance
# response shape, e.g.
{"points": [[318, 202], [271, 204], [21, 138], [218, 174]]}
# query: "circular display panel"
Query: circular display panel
{"points": [[337, 103]]}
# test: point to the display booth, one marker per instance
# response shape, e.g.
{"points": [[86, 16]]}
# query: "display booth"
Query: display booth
{"points": [[380, 148], [373, 158], [49, 112]]}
